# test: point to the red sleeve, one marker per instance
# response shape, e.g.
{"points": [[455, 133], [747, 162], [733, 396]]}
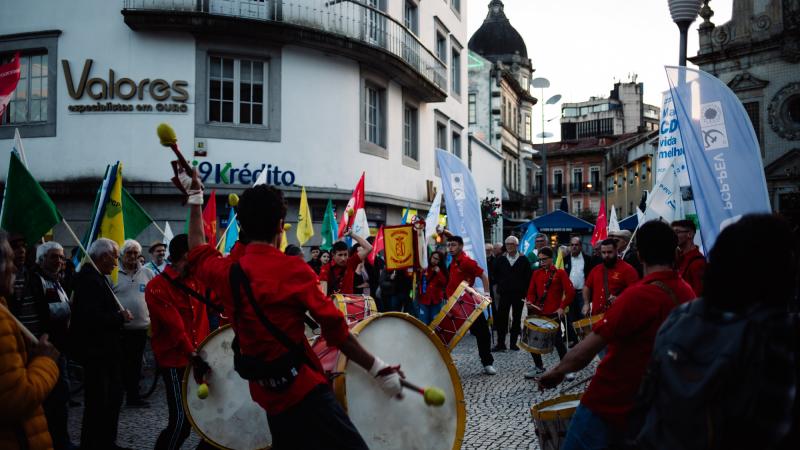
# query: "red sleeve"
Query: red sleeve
{"points": [[472, 269], [210, 266], [321, 308], [168, 322], [569, 290], [324, 272], [353, 261]]}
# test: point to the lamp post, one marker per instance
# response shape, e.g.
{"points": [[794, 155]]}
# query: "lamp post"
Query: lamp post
{"points": [[683, 13], [542, 83]]}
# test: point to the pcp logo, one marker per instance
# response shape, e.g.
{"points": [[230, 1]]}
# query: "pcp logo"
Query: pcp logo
{"points": [[712, 126], [457, 184]]}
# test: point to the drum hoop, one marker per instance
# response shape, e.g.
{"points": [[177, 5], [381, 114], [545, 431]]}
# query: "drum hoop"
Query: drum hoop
{"points": [[462, 331], [538, 328], [447, 306], [461, 411], [559, 414], [530, 349], [588, 320], [185, 394], [341, 303]]}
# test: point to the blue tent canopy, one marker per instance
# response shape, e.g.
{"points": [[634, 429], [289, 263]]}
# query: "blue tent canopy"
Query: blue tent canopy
{"points": [[559, 222], [629, 223]]}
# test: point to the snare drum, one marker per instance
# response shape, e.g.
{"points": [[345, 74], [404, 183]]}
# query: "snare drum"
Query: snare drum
{"points": [[228, 417], [455, 317], [538, 334], [551, 420], [398, 339], [355, 307], [584, 326]]}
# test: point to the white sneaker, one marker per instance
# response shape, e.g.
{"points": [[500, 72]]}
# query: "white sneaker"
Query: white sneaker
{"points": [[535, 372], [489, 370], [570, 376]]}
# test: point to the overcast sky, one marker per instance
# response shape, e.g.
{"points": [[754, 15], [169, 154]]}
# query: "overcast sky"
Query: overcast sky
{"points": [[583, 46]]}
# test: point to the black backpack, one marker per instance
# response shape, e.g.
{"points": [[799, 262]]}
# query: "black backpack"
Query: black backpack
{"points": [[718, 380]]}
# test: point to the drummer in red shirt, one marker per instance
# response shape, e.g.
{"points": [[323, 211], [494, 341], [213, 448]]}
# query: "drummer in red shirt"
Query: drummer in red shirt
{"points": [[628, 329], [288, 383], [549, 293], [691, 263], [464, 268], [431, 288], [178, 324], [606, 281], [338, 276]]}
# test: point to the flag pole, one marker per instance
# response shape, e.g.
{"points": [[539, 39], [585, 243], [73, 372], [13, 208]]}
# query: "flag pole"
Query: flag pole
{"points": [[91, 261], [22, 328], [158, 227]]}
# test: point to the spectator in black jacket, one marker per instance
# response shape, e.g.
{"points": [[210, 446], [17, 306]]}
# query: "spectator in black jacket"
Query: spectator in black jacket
{"points": [[512, 274], [577, 265], [96, 331]]}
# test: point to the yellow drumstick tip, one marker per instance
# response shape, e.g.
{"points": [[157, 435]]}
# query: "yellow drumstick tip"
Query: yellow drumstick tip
{"points": [[202, 391], [233, 199], [166, 134], [434, 396]]}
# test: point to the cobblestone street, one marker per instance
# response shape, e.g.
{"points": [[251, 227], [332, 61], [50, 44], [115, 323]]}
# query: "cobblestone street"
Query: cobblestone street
{"points": [[498, 407]]}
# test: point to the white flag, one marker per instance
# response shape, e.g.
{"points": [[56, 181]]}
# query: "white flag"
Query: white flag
{"points": [[167, 236], [433, 215], [19, 148], [665, 201], [613, 224]]}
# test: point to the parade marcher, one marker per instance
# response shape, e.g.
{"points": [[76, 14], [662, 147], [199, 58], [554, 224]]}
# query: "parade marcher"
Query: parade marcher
{"points": [[268, 294], [28, 372], [432, 283], [158, 257], [21, 303], [628, 329], [315, 262], [623, 238], [512, 273], [606, 281], [338, 276], [179, 325], [95, 335], [577, 265], [539, 241], [549, 294], [491, 258], [464, 268], [691, 263], [130, 287], [293, 250]]}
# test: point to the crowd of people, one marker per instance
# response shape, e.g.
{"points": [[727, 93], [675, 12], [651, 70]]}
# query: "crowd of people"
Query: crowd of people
{"points": [[188, 288]]}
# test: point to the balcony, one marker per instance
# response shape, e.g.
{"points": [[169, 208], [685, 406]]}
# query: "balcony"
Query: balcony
{"points": [[345, 27], [557, 188], [588, 187]]}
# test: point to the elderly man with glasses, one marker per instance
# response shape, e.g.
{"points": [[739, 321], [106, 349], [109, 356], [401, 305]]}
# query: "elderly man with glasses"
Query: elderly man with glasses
{"points": [[512, 274]]}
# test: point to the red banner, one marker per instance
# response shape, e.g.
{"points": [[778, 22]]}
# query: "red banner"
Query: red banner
{"points": [[9, 77]]}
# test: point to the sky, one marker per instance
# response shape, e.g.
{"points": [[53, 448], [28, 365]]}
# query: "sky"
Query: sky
{"points": [[584, 46]]}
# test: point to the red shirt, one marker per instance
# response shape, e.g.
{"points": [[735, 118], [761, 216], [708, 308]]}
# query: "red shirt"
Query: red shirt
{"points": [[178, 322], [559, 294], [620, 277], [629, 327], [285, 288], [340, 278], [435, 283], [462, 268], [692, 268]]}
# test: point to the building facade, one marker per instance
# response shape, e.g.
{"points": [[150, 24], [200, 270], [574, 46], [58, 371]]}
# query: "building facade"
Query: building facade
{"points": [[630, 172], [312, 92]]}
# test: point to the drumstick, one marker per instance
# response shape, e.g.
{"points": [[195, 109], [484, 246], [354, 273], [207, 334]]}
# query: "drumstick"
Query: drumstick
{"points": [[579, 382], [433, 395]]}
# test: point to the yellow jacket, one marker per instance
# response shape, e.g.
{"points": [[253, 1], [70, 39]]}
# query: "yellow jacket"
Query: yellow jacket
{"points": [[24, 385]]}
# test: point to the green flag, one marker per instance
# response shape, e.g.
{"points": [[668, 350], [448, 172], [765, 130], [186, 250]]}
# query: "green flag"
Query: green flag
{"points": [[134, 216], [329, 228], [27, 209]]}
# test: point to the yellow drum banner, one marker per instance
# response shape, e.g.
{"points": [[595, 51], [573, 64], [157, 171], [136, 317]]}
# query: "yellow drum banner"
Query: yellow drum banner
{"points": [[399, 247]]}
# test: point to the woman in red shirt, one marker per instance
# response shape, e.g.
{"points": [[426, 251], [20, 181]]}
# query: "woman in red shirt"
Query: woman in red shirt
{"points": [[431, 284]]}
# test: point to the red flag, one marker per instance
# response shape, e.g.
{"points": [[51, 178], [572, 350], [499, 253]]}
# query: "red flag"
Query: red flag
{"points": [[377, 246], [601, 227], [210, 219], [9, 77], [354, 211]]}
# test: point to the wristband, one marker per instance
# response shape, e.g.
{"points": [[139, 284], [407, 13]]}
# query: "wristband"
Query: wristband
{"points": [[377, 366], [195, 197]]}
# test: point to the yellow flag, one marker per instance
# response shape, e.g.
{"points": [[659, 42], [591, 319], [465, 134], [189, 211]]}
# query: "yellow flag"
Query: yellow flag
{"points": [[560, 259], [284, 241], [304, 227], [112, 226]]}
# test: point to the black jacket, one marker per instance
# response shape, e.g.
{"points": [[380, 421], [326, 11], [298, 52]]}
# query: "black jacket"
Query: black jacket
{"points": [[96, 324], [587, 264], [512, 281]]}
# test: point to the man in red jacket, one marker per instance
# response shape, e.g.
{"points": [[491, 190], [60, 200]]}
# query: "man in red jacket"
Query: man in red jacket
{"points": [[607, 280], [178, 324], [337, 277], [691, 263], [549, 294]]}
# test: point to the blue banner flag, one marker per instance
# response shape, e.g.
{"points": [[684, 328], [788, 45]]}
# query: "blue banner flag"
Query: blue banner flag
{"points": [[463, 207], [722, 152], [527, 244]]}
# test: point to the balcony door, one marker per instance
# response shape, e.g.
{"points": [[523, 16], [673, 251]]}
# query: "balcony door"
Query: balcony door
{"points": [[374, 23]]}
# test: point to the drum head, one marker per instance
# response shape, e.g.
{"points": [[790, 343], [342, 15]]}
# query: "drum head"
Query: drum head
{"points": [[228, 417], [542, 322], [387, 423]]}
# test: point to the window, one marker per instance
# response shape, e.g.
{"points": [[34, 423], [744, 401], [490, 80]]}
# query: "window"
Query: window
{"points": [[577, 206], [28, 102], [441, 136], [752, 110], [539, 180], [411, 16], [527, 131], [630, 176], [375, 23], [375, 115], [577, 179], [594, 178], [455, 71], [644, 171], [456, 143], [472, 106], [410, 132], [456, 6], [558, 180], [236, 91], [611, 184], [441, 46]]}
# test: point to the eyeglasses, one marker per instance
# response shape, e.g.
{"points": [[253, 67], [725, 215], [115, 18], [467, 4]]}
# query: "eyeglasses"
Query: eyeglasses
{"points": [[544, 258]]}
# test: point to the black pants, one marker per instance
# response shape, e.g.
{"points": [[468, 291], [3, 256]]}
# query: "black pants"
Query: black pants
{"points": [[513, 305], [178, 426], [56, 408], [133, 342], [317, 422], [558, 342], [480, 329], [102, 382], [574, 314]]}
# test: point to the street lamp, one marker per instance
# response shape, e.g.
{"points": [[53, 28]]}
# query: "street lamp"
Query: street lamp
{"points": [[542, 83], [683, 13]]}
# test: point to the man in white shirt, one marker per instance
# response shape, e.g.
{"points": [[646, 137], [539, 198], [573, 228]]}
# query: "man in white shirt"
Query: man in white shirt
{"points": [[577, 266]]}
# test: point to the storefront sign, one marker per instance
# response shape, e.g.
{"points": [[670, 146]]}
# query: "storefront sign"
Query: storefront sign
{"points": [[245, 175]]}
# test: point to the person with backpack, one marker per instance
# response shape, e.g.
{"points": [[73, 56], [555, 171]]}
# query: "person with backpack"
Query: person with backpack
{"points": [[628, 329], [724, 370]]}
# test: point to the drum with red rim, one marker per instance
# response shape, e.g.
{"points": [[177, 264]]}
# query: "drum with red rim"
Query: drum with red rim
{"points": [[355, 307], [455, 317]]}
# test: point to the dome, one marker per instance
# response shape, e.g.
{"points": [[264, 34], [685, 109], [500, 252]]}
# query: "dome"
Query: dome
{"points": [[496, 39]]}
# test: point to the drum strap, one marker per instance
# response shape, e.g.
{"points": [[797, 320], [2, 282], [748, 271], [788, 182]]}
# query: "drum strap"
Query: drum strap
{"points": [[192, 293], [543, 298], [606, 292]]}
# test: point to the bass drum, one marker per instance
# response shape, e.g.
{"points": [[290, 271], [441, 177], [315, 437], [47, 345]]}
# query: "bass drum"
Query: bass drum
{"points": [[228, 417], [390, 424]]}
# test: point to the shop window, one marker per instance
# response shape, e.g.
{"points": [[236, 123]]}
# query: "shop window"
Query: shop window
{"points": [[236, 92]]}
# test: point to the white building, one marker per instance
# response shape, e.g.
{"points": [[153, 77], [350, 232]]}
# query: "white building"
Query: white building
{"points": [[313, 91]]}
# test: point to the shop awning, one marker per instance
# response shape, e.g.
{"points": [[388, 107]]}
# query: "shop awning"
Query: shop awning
{"points": [[559, 222]]}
